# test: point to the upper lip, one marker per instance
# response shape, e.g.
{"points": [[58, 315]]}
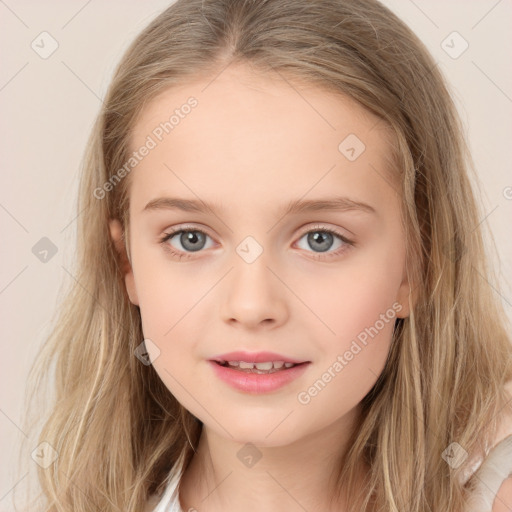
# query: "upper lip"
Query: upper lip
{"points": [[255, 357]]}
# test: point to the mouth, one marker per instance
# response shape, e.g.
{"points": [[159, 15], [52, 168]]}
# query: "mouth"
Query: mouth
{"points": [[262, 368], [257, 373]]}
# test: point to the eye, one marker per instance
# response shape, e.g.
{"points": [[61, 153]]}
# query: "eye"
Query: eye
{"points": [[189, 241], [184, 241], [321, 239]]}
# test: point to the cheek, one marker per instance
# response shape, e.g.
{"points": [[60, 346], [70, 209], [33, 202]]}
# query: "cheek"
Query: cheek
{"points": [[160, 291], [358, 309], [364, 306], [352, 299], [351, 360], [171, 298]]}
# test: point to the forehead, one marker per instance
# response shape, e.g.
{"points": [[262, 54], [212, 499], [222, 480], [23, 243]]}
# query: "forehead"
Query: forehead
{"points": [[264, 130]]}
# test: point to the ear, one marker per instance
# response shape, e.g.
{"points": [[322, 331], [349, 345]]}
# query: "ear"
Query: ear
{"points": [[403, 297], [116, 233]]}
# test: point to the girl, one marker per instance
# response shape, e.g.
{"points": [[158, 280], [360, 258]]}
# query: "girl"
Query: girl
{"points": [[332, 342]]}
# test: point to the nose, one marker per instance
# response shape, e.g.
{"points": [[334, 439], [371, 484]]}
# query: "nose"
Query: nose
{"points": [[253, 295]]}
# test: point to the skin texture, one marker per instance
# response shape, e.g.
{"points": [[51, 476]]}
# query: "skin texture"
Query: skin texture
{"points": [[252, 144], [503, 501]]}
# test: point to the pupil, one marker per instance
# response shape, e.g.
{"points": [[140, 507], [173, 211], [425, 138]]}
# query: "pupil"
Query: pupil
{"points": [[320, 237], [190, 239]]}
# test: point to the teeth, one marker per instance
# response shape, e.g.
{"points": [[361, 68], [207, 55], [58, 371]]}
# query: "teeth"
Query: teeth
{"points": [[265, 366]]}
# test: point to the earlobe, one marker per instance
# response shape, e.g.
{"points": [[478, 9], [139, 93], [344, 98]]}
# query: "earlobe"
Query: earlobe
{"points": [[116, 233]]}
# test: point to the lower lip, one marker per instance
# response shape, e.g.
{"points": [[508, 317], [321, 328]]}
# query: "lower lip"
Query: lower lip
{"points": [[258, 383]]}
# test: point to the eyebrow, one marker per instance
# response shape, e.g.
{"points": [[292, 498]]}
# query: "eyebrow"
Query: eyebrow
{"points": [[296, 206]]}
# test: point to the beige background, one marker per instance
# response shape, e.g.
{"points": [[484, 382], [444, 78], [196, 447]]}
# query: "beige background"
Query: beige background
{"points": [[48, 106]]}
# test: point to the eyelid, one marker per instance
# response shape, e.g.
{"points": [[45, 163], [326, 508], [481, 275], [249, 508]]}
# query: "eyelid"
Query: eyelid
{"points": [[329, 229], [303, 231], [168, 233]]}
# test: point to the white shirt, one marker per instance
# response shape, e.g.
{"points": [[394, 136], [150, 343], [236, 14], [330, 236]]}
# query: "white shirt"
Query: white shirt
{"points": [[491, 474]]}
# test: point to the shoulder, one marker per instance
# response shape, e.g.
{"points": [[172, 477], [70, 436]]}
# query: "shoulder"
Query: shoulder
{"points": [[493, 478], [503, 500]]}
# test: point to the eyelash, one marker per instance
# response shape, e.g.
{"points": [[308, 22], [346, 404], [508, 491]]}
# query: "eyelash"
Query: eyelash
{"points": [[184, 229]]}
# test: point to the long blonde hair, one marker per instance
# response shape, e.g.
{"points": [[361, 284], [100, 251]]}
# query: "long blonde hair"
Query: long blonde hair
{"points": [[117, 429]]}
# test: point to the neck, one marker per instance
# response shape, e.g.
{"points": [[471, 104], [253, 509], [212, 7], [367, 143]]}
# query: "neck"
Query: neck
{"points": [[228, 475]]}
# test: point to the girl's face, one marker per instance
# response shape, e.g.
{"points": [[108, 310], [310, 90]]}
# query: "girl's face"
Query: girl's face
{"points": [[249, 274]]}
